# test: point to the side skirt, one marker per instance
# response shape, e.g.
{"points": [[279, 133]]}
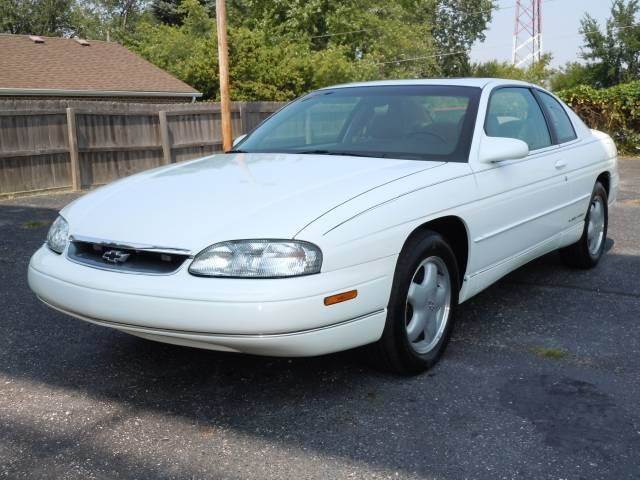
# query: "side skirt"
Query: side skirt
{"points": [[476, 282]]}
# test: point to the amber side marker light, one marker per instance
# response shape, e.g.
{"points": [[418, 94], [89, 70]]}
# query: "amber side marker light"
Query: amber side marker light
{"points": [[340, 297]]}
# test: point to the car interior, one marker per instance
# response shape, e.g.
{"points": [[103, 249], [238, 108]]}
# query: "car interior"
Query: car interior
{"points": [[380, 125], [514, 113]]}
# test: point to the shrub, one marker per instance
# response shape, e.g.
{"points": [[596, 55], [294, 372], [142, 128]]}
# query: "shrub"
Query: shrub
{"points": [[615, 110]]}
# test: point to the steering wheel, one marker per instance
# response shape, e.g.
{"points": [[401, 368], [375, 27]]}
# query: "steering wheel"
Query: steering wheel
{"points": [[416, 133]]}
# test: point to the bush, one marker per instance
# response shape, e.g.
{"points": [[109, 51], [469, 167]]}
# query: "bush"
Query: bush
{"points": [[615, 110]]}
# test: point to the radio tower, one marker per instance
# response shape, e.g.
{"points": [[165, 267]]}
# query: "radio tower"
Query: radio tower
{"points": [[527, 35]]}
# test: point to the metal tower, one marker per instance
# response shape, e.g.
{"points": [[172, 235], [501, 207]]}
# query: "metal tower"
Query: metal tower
{"points": [[527, 35]]}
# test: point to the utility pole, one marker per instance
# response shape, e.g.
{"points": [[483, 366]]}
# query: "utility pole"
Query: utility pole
{"points": [[223, 65]]}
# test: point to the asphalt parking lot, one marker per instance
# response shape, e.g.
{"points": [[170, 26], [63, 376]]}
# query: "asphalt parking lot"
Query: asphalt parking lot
{"points": [[541, 380]]}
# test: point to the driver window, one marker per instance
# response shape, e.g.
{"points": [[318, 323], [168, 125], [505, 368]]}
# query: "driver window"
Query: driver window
{"points": [[514, 113]]}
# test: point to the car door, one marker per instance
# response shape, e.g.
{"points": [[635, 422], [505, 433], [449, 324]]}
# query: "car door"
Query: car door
{"points": [[574, 161], [518, 215]]}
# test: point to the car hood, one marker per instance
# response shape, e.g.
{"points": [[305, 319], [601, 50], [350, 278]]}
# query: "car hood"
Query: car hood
{"points": [[229, 196]]}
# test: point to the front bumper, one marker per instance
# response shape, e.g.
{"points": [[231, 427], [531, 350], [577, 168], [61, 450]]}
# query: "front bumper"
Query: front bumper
{"points": [[285, 317]]}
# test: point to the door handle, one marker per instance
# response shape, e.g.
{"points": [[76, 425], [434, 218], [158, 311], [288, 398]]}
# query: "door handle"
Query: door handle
{"points": [[560, 164]]}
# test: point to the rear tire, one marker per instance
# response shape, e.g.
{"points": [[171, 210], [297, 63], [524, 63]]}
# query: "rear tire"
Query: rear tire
{"points": [[420, 313], [587, 251]]}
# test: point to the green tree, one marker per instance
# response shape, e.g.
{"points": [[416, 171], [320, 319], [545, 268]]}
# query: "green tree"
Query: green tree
{"points": [[188, 51], [390, 35], [169, 11], [497, 69], [457, 25], [402, 30], [571, 75], [39, 17], [96, 19], [261, 67], [108, 19], [538, 72], [280, 49], [613, 54]]}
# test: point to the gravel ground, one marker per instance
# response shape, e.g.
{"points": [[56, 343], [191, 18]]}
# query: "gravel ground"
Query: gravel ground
{"points": [[541, 380]]}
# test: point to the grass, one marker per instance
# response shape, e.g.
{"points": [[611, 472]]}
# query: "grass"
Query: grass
{"points": [[34, 224], [550, 352]]}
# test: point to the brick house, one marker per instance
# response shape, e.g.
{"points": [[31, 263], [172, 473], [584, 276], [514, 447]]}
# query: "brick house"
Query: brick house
{"points": [[48, 68]]}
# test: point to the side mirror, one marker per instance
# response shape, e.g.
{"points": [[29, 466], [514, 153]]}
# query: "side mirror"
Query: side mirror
{"points": [[237, 140], [498, 149]]}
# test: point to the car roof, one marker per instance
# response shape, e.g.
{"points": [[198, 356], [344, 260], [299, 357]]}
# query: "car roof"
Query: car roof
{"points": [[461, 82]]}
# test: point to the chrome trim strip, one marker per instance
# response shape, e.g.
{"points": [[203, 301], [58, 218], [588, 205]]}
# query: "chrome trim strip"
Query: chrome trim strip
{"points": [[106, 268], [529, 219], [151, 330], [131, 246]]}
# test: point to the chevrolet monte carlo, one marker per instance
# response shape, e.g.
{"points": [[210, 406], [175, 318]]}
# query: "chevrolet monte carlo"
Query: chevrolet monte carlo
{"points": [[360, 214]]}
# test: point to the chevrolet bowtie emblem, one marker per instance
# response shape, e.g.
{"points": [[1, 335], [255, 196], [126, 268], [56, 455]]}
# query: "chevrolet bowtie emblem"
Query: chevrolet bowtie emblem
{"points": [[115, 256]]}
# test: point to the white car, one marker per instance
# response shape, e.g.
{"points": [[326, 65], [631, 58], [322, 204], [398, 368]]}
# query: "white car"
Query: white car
{"points": [[359, 214]]}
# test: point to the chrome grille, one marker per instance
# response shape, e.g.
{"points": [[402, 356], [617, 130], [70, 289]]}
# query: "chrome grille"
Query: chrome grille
{"points": [[126, 258]]}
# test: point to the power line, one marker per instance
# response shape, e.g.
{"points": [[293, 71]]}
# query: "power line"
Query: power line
{"points": [[344, 33]]}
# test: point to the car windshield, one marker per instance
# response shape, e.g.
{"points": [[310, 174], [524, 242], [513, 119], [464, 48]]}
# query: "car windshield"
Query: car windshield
{"points": [[419, 122]]}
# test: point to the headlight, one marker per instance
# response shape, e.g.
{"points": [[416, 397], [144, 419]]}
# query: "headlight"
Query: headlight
{"points": [[58, 235], [258, 259]]}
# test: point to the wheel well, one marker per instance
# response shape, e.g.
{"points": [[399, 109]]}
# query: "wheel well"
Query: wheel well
{"points": [[605, 179], [453, 229]]}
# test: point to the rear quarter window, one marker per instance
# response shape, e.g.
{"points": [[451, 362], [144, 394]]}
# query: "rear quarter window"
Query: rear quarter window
{"points": [[558, 118]]}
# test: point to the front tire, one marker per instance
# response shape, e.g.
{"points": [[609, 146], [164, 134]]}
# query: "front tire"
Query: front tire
{"points": [[587, 251], [421, 306]]}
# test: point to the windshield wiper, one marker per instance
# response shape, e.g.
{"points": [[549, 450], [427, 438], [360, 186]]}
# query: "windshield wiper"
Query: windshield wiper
{"points": [[320, 152], [333, 152]]}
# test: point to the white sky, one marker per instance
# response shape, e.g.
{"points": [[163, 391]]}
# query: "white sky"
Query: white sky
{"points": [[560, 25]]}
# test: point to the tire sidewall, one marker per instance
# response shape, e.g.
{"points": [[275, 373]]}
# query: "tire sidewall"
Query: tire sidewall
{"points": [[428, 245], [598, 191]]}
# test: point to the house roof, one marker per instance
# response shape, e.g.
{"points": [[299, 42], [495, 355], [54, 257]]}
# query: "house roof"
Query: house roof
{"points": [[63, 66]]}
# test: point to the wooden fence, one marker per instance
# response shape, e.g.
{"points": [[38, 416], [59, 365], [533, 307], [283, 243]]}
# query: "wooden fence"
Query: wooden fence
{"points": [[58, 145]]}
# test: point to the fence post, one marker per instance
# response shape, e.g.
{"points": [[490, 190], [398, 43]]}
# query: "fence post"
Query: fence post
{"points": [[73, 149], [243, 120], [164, 137]]}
